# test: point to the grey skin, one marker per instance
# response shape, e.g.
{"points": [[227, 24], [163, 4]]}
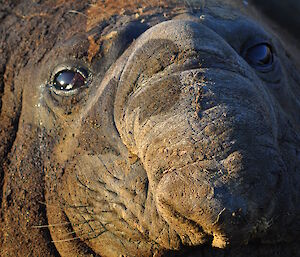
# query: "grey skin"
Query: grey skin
{"points": [[176, 145]]}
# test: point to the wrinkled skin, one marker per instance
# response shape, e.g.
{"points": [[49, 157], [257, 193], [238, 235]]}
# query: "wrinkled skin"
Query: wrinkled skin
{"points": [[177, 145]]}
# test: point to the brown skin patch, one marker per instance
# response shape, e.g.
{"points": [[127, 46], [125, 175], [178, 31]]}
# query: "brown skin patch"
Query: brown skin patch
{"points": [[103, 10], [96, 44], [30, 33], [93, 48]]}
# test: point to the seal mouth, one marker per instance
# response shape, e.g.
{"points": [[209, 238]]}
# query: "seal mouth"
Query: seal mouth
{"points": [[216, 215], [195, 235], [253, 248]]}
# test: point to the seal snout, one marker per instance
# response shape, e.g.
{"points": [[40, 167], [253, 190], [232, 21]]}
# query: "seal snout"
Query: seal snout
{"points": [[222, 210]]}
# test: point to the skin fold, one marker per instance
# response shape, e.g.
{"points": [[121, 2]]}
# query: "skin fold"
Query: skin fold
{"points": [[173, 142]]}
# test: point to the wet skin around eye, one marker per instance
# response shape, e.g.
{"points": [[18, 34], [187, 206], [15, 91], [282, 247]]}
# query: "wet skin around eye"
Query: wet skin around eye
{"points": [[147, 128]]}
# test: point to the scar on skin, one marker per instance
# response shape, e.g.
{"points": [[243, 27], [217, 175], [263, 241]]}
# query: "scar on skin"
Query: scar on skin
{"points": [[94, 46]]}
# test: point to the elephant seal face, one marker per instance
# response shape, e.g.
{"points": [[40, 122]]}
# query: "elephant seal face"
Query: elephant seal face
{"points": [[165, 132]]}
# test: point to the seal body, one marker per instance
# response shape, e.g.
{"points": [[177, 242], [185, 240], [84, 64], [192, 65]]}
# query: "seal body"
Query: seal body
{"points": [[148, 129]]}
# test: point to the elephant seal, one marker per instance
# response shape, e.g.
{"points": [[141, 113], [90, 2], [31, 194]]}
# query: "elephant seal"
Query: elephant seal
{"points": [[147, 128]]}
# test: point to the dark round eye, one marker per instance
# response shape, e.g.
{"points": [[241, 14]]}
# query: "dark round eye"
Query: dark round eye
{"points": [[260, 56], [68, 80]]}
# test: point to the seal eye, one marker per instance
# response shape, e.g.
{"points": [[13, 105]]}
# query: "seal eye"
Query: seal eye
{"points": [[260, 56], [70, 80]]}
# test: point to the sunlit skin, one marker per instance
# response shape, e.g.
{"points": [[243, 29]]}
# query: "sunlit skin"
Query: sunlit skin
{"points": [[148, 128]]}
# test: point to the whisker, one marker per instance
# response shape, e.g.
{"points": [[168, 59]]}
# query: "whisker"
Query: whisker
{"points": [[80, 237], [51, 225], [63, 205], [76, 12], [62, 224], [66, 240]]}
